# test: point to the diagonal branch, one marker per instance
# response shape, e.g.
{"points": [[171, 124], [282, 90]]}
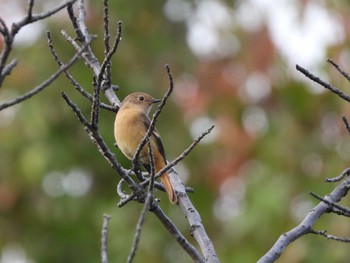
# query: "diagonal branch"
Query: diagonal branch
{"points": [[332, 205], [30, 18], [346, 122], [185, 152], [336, 238], [71, 78], [42, 86], [340, 70], [181, 156], [178, 236], [305, 227], [323, 83]]}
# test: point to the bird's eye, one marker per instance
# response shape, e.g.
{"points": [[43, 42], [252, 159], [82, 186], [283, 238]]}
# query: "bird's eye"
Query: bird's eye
{"points": [[141, 98]]}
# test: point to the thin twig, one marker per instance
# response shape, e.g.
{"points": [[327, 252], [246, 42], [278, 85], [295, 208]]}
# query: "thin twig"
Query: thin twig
{"points": [[104, 238], [340, 70], [30, 8], [95, 106], [120, 191], [346, 211], [42, 86], [340, 177], [184, 153], [108, 57], [88, 56], [106, 82], [346, 122], [9, 67], [336, 238], [30, 18], [71, 78], [181, 156], [9, 35], [73, 18], [323, 83], [106, 26]]}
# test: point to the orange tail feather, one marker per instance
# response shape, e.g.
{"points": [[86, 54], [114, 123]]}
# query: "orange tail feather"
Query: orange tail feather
{"points": [[169, 188]]}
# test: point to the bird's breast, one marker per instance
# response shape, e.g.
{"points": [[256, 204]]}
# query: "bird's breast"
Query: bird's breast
{"points": [[128, 131]]}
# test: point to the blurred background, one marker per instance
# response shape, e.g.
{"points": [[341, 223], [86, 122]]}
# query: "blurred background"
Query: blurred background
{"points": [[277, 135]]}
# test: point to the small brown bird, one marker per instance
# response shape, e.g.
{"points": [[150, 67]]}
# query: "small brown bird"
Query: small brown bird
{"points": [[131, 125]]}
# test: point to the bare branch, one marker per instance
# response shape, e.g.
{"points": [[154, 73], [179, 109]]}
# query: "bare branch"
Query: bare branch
{"points": [[336, 238], [107, 60], [8, 68], [88, 56], [74, 21], [71, 78], [306, 225], [30, 8], [178, 236], [340, 177], [346, 122], [344, 211], [120, 191], [181, 156], [346, 75], [323, 83], [42, 86], [104, 238], [106, 27], [95, 106], [184, 153], [30, 18]]}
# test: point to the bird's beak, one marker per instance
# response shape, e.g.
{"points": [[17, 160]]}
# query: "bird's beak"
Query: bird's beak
{"points": [[156, 100]]}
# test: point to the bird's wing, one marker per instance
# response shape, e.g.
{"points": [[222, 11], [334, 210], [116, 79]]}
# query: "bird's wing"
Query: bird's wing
{"points": [[146, 122]]}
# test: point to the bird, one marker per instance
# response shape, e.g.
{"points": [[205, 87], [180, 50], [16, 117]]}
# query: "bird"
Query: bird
{"points": [[131, 125]]}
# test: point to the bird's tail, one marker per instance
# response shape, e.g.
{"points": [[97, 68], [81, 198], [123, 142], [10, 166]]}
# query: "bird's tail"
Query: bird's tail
{"points": [[169, 188]]}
